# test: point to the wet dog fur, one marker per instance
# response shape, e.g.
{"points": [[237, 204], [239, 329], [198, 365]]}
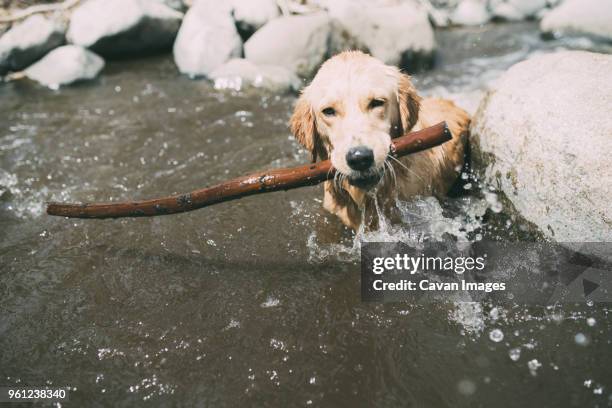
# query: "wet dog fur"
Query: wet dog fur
{"points": [[356, 101]]}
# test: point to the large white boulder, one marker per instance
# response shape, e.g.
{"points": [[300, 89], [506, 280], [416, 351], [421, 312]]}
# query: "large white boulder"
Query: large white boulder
{"points": [[207, 39], [398, 34], [543, 136], [120, 27], [581, 17], [29, 41], [239, 73], [66, 65], [299, 43]]}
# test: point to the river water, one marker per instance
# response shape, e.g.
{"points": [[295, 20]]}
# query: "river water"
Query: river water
{"points": [[254, 302]]}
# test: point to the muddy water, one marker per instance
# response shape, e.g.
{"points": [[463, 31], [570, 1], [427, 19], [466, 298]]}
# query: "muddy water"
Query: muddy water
{"points": [[254, 302]]}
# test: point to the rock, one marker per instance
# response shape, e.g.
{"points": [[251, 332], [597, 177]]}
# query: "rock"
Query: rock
{"points": [[124, 27], [515, 10], [543, 12], [529, 8], [470, 13], [444, 3], [29, 41], [250, 15], [506, 11], [239, 73], [543, 136], [439, 17], [397, 35], [310, 39], [177, 5], [207, 38], [580, 17], [65, 65], [299, 43]]}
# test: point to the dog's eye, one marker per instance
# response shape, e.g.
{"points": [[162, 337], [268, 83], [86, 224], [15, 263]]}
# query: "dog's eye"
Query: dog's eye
{"points": [[375, 103], [329, 112]]}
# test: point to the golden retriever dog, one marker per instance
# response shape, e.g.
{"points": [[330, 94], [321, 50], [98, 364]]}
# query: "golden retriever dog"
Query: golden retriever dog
{"points": [[350, 112]]}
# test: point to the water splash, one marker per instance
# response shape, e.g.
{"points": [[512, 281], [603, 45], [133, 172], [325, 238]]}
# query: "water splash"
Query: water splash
{"points": [[423, 220], [19, 198], [469, 316]]}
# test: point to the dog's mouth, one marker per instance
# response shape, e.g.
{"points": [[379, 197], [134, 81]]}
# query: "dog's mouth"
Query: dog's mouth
{"points": [[366, 179]]}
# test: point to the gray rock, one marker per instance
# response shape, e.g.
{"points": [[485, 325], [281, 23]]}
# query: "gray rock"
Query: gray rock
{"points": [[529, 8], [123, 27], [65, 65], [239, 73], [177, 5], [250, 15], [299, 43], [207, 38], [515, 10], [506, 11], [439, 17], [29, 41], [580, 17], [397, 34], [543, 136], [471, 13]]}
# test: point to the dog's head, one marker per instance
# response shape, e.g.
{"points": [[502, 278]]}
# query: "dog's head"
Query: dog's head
{"points": [[350, 112]]}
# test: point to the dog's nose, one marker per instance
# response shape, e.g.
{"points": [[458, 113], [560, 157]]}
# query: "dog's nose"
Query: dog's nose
{"points": [[360, 158]]}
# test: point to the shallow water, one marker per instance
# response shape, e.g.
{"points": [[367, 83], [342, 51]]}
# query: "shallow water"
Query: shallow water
{"points": [[254, 302]]}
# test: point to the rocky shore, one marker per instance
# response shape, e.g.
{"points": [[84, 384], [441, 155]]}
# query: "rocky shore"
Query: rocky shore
{"points": [[266, 43], [541, 135]]}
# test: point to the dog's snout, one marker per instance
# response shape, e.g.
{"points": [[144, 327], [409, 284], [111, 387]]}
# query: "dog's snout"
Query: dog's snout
{"points": [[360, 158]]}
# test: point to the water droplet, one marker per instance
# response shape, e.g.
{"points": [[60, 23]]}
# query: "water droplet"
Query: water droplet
{"points": [[533, 366], [278, 344], [270, 302], [494, 203], [466, 387], [515, 353], [496, 335], [233, 324], [581, 339], [591, 321]]}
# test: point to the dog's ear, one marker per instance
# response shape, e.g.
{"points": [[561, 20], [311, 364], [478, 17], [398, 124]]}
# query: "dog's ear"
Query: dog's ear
{"points": [[304, 128], [409, 103]]}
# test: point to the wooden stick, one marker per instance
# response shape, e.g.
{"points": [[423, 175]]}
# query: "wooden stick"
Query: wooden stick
{"points": [[272, 180]]}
